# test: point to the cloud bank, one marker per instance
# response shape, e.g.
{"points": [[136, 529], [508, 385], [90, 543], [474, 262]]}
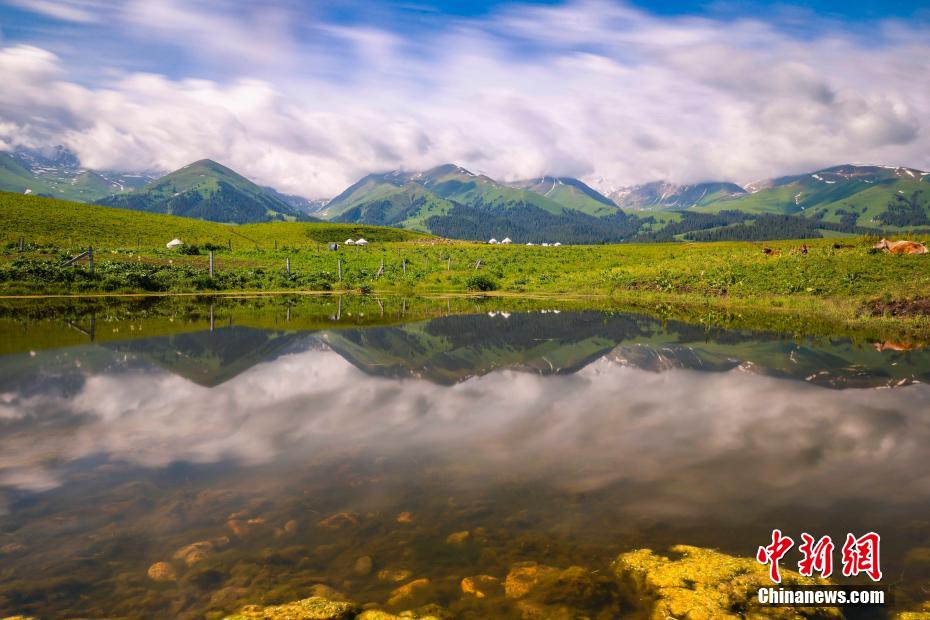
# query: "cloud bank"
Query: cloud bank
{"points": [[594, 89], [681, 442]]}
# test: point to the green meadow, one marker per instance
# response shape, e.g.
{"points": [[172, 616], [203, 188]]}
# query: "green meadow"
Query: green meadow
{"points": [[840, 278]]}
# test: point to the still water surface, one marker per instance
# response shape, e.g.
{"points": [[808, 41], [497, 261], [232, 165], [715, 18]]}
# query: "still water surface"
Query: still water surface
{"points": [[558, 437]]}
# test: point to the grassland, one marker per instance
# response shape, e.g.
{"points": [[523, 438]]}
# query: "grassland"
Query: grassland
{"points": [[72, 225], [736, 277]]}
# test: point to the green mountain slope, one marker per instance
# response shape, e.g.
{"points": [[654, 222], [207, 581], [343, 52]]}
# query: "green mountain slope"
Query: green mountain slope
{"points": [[57, 173], [868, 189], [209, 191], [482, 192], [570, 193], [453, 202], [389, 199]]}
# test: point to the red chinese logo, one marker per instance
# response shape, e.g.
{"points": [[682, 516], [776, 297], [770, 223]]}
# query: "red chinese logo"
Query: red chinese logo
{"points": [[860, 555], [817, 557], [773, 553]]}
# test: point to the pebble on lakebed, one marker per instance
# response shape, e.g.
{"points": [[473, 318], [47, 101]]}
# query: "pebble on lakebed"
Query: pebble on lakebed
{"points": [[162, 571], [692, 584]]}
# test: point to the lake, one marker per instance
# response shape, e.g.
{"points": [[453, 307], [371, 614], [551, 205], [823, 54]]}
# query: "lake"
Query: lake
{"points": [[347, 447]]}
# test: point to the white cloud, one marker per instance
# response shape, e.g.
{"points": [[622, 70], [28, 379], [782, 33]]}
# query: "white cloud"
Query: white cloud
{"points": [[81, 11], [614, 424], [595, 89]]}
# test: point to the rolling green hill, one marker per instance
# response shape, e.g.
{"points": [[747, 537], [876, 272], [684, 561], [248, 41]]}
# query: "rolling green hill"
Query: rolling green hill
{"points": [[52, 221], [209, 191], [391, 199]]}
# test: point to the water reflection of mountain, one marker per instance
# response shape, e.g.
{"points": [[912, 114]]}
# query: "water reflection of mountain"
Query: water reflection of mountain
{"points": [[210, 358], [452, 349], [455, 348]]}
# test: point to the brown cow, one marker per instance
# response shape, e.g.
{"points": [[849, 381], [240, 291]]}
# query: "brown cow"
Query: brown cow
{"points": [[895, 346], [901, 247]]}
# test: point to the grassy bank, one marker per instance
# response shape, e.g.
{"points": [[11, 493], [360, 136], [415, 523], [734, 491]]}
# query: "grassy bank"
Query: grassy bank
{"points": [[833, 281]]}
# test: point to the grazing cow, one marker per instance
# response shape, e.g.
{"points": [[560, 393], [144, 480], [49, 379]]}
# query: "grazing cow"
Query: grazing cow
{"points": [[770, 252], [901, 247], [895, 346]]}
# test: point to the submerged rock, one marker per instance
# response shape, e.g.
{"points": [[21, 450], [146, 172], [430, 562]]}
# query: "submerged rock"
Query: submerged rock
{"points": [[363, 566], [315, 608], [547, 592], [524, 576], [423, 614], [457, 538], [162, 571], [407, 591], [194, 552], [482, 586], [705, 584], [395, 575], [340, 520]]}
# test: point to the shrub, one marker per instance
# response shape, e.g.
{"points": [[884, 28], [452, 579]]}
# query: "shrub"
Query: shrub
{"points": [[479, 282]]}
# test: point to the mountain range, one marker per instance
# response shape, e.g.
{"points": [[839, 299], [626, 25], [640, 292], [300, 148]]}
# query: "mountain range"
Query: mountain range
{"points": [[451, 201], [56, 172]]}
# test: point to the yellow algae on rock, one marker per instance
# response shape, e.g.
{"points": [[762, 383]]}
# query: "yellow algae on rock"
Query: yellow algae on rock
{"points": [[407, 591], [481, 586], [315, 608], [706, 584], [395, 575], [162, 571], [524, 576], [457, 538]]}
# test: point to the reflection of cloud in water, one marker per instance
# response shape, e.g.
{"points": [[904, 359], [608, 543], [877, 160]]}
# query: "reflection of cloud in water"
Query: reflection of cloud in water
{"points": [[686, 439]]}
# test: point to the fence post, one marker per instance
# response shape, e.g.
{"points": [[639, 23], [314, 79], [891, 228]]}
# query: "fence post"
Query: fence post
{"points": [[403, 263], [339, 268], [449, 263], [211, 264], [287, 266], [229, 241], [381, 269], [22, 243], [90, 258]]}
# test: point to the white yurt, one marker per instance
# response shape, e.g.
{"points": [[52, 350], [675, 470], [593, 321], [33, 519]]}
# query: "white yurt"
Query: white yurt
{"points": [[556, 244], [493, 242], [174, 243], [360, 241], [350, 242], [530, 243], [507, 240], [545, 245]]}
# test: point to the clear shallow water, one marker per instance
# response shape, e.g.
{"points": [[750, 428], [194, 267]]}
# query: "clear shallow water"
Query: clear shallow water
{"points": [[562, 438]]}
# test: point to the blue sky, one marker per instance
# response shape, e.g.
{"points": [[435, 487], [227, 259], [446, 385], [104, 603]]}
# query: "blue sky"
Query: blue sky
{"points": [[308, 96]]}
